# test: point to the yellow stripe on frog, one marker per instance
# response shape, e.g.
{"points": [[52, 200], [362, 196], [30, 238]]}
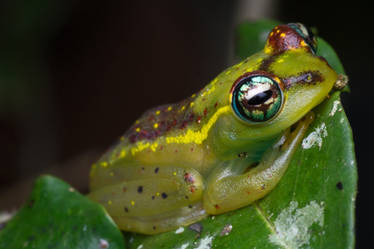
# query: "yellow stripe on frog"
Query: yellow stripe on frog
{"points": [[191, 136], [199, 136]]}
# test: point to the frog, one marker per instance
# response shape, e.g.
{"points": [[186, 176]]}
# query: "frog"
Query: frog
{"points": [[222, 148]]}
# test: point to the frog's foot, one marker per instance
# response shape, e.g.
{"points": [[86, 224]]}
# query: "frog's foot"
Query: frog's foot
{"points": [[235, 191], [159, 200]]}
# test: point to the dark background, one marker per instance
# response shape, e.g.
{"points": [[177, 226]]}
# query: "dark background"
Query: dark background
{"points": [[75, 74]]}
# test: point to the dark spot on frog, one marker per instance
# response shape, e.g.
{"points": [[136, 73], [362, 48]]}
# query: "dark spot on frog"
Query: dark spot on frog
{"points": [[339, 185], [126, 210], [186, 197], [164, 195], [198, 119], [191, 117], [189, 178], [242, 155], [153, 197], [196, 227], [205, 112], [140, 189], [156, 170], [189, 206], [183, 125], [154, 227]]}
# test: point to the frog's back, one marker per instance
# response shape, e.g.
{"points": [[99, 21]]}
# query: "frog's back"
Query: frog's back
{"points": [[161, 121]]}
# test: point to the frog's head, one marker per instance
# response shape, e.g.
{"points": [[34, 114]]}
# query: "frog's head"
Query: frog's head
{"points": [[273, 89]]}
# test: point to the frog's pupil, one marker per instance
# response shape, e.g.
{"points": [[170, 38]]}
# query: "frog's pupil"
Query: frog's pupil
{"points": [[260, 98]]}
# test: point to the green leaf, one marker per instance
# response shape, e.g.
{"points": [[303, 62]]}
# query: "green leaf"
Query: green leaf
{"points": [[56, 216], [312, 206]]}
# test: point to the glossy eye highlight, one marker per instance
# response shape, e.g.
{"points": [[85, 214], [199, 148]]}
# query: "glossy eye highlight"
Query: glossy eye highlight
{"points": [[257, 98]]}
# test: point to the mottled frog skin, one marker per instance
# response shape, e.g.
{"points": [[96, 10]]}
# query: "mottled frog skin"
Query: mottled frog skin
{"points": [[220, 149]]}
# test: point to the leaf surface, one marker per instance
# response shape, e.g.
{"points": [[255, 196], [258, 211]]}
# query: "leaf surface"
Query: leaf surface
{"points": [[56, 216]]}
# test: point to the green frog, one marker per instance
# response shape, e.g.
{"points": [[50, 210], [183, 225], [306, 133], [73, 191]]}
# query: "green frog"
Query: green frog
{"points": [[222, 148]]}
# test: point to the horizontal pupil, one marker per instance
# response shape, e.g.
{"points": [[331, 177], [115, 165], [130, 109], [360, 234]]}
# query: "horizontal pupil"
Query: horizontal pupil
{"points": [[260, 98]]}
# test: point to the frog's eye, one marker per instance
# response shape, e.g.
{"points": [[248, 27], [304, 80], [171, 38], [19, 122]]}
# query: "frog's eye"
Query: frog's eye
{"points": [[257, 98], [306, 34]]}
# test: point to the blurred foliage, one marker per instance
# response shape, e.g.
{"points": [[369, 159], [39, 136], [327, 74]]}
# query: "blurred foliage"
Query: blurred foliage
{"points": [[56, 216], [26, 27]]}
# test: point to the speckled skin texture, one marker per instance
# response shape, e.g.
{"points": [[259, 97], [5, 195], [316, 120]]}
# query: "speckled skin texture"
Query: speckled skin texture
{"points": [[180, 162]]}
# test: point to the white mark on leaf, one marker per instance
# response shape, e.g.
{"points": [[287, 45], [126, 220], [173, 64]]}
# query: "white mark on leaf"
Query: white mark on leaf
{"points": [[334, 108], [226, 230], [179, 230], [103, 243], [205, 243], [315, 137], [184, 246], [293, 224]]}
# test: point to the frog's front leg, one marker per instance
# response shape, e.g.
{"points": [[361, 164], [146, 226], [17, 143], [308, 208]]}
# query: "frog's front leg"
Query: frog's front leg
{"points": [[232, 191], [152, 199]]}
